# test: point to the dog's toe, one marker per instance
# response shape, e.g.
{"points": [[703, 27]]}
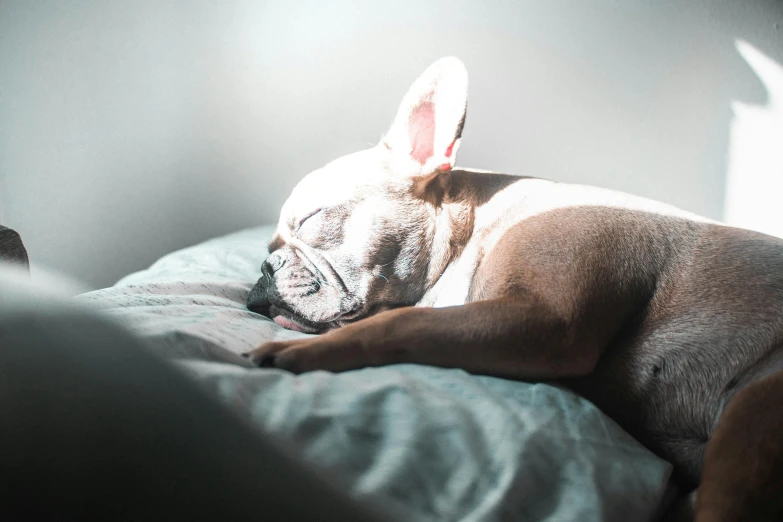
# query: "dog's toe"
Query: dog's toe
{"points": [[267, 361]]}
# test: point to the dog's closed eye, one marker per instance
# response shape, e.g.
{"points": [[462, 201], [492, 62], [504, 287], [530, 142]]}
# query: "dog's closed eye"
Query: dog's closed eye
{"points": [[306, 218], [322, 228]]}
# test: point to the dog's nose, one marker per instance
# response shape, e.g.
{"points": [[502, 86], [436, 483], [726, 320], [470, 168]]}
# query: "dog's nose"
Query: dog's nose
{"points": [[272, 264], [258, 298]]}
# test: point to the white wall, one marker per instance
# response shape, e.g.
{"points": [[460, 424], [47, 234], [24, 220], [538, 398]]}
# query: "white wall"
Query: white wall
{"points": [[129, 129]]}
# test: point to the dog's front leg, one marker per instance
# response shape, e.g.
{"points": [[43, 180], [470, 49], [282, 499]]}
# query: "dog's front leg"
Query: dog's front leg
{"points": [[510, 337]]}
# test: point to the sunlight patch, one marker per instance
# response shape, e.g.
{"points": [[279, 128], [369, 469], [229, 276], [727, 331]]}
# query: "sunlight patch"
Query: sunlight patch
{"points": [[754, 182]]}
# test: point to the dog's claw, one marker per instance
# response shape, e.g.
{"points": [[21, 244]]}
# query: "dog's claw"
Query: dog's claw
{"points": [[267, 361]]}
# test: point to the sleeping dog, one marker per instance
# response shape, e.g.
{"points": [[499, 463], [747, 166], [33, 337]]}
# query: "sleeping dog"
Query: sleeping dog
{"points": [[670, 323]]}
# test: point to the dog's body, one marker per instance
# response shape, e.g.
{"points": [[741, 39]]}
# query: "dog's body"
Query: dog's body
{"points": [[658, 316]]}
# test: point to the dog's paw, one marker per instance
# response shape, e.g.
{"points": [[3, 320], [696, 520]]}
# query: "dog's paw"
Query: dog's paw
{"points": [[299, 356], [267, 361], [265, 356], [329, 352]]}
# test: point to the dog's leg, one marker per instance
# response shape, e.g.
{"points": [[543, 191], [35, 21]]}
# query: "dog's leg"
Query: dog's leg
{"points": [[531, 316], [743, 465], [515, 337]]}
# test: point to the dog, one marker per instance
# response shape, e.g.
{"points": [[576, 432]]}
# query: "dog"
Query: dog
{"points": [[672, 324]]}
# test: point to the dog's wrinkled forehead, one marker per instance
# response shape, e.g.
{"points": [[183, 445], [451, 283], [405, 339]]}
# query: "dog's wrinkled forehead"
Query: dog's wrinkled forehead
{"points": [[342, 181]]}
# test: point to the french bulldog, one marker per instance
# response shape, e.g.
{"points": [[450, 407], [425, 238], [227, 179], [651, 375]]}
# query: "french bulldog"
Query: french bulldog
{"points": [[669, 322]]}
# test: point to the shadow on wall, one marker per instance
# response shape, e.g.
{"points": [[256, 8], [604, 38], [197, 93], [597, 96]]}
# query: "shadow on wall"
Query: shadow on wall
{"points": [[754, 182]]}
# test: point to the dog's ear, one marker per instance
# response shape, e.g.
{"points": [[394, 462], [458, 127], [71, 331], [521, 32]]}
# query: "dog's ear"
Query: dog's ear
{"points": [[426, 133]]}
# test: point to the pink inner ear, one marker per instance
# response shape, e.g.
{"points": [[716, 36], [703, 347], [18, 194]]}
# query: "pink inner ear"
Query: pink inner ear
{"points": [[421, 131]]}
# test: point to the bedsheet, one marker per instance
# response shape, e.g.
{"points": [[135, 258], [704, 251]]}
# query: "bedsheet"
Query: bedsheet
{"points": [[442, 443]]}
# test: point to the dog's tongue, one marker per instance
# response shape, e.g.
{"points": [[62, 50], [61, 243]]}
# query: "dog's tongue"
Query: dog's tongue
{"points": [[287, 323]]}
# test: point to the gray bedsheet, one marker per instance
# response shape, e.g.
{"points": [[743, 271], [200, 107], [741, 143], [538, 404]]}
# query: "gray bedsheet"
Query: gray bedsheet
{"points": [[445, 444]]}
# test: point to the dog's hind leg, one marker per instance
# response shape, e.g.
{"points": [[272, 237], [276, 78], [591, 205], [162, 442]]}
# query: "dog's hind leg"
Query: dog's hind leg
{"points": [[743, 466]]}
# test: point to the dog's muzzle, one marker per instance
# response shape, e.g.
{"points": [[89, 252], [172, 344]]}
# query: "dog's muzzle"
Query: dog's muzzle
{"points": [[258, 298]]}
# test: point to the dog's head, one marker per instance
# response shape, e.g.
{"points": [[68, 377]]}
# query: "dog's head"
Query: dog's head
{"points": [[361, 234]]}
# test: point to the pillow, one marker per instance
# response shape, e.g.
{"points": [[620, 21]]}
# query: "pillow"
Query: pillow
{"points": [[446, 444]]}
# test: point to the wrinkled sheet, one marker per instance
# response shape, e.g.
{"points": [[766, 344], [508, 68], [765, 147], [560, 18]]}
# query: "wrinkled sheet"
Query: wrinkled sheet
{"points": [[444, 444]]}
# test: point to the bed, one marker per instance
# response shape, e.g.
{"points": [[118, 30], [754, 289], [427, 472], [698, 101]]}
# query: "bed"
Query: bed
{"points": [[444, 444]]}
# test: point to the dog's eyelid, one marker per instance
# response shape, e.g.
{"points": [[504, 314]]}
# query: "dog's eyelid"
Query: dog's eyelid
{"points": [[308, 216]]}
